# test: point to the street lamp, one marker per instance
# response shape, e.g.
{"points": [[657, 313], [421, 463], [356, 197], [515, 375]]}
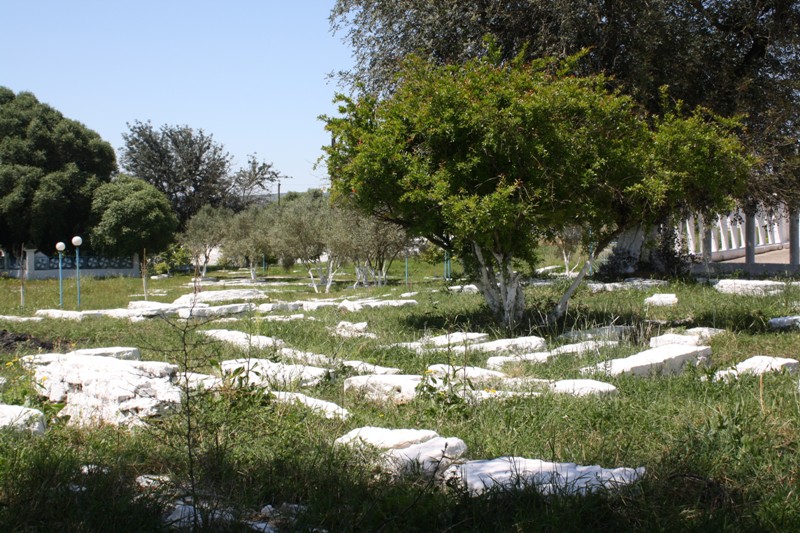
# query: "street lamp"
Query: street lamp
{"points": [[76, 242], [60, 246]]}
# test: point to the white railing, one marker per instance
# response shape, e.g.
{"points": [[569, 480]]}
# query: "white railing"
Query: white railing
{"points": [[726, 235]]}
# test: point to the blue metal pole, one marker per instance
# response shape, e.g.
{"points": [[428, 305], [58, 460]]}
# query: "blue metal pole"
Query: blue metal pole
{"points": [[78, 274], [60, 282]]}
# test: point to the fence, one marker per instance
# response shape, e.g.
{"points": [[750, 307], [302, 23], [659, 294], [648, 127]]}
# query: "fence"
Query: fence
{"points": [[41, 266], [740, 235]]}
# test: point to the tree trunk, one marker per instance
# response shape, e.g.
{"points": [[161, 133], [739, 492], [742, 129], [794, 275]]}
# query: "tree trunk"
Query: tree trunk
{"points": [[500, 287]]}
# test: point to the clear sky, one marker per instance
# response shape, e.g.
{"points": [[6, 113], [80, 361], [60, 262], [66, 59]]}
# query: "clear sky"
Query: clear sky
{"points": [[252, 73]]}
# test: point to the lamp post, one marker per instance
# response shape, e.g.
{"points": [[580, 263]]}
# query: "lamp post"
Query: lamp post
{"points": [[60, 246], [76, 242]]}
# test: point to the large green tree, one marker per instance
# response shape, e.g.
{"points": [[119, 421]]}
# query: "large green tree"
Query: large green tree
{"points": [[50, 167], [130, 216], [490, 156], [187, 165], [731, 56]]}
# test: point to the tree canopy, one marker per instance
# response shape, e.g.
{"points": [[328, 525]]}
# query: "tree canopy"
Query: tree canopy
{"points": [[489, 156], [129, 216], [50, 167], [187, 165], [731, 56]]}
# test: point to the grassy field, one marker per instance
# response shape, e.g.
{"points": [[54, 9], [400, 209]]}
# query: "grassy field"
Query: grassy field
{"points": [[718, 456]]}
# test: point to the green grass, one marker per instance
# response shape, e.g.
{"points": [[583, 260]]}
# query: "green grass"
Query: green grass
{"points": [[718, 456]]}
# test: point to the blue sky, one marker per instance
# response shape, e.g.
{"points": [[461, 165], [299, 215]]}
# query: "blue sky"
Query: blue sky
{"points": [[251, 73]]}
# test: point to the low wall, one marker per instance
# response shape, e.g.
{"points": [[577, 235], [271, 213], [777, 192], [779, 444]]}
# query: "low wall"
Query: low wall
{"points": [[41, 266]]}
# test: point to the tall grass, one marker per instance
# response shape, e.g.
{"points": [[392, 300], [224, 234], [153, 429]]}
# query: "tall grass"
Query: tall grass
{"points": [[719, 456]]}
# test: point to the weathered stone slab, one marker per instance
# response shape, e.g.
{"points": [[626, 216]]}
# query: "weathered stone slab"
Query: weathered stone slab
{"points": [[350, 330], [220, 296], [22, 418], [466, 289], [216, 311], [117, 352], [472, 373], [243, 340], [506, 346], [398, 389], [691, 337], [14, 318], [583, 387], [583, 347], [361, 367], [757, 365], [329, 410], [785, 323], [667, 359], [307, 358], [371, 303], [385, 439], [662, 300], [60, 314], [749, 287], [628, 284], [498, 361], [454, 339], [98, 389], [611, 333], [280, 306], [264, 372], [429, 458], [513, 473]]}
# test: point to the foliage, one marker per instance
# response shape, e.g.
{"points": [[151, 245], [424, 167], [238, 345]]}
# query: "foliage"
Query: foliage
{"points": [[718, 456], [734, 57], [205, 231], [247, 236], [488, 158], [50, 167], [130, 215], [187, 165], [253, 177]]}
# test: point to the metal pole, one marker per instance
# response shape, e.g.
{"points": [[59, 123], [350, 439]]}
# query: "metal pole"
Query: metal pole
{"points": [[406, 269], [78, 274], [60, 282]]}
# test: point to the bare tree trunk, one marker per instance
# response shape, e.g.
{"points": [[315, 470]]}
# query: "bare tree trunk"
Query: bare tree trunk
{"points": [[504, 296]]}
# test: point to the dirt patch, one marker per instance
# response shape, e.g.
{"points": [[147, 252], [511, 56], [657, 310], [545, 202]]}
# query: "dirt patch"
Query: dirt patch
{"points": [[9, 342]]}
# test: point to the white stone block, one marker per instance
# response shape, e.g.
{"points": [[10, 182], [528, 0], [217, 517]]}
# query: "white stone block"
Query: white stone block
{"points": [[583, 387], [662, 300], [398, 389], [758, 365], [473, 373], [498, 361], [611, 333], [502, 346], [22, 418], [329, 410], [219, 296], [13, 318], [264, 372], [667, 359], [513, 473], [785, 322], [583, 347], [243, 340], [749, 287], [216, 311], [454, 339], [430, 458], [97, 389], [117, 352], [385, 439], [360, 367]]}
